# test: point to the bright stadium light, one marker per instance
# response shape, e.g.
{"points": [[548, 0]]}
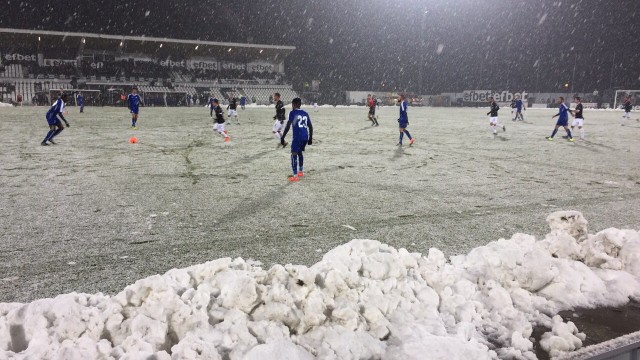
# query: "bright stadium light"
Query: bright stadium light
{"points": [[261, 51], [197, 46], [84, 41], [38, 38], [229, 50], [121, 43], [161, 46]]}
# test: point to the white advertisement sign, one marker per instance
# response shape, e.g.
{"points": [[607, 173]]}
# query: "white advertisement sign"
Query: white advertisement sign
{"points": [[20, 57], [483, 95], [59, 62], [172, 63], [261, 66], [203, 64], [233, 66]]}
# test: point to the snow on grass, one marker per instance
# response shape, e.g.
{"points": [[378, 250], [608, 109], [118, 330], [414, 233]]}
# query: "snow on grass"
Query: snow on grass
{"points": [[363, 300]]}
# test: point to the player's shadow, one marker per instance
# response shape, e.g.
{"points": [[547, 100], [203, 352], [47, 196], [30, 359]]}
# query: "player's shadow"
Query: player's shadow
{"points": [[366, 128], [589, 148], [398, 153], [587, 142]]}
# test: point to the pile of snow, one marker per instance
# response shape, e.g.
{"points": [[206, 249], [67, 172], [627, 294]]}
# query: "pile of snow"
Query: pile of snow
{"points": [[2, 104], [364, 300]]}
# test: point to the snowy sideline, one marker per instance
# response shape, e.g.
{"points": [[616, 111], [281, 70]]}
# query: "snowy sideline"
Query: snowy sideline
{"points": [[363, 300]]}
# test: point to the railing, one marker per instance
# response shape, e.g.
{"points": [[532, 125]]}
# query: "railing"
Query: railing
{"points": [[627, 352]]}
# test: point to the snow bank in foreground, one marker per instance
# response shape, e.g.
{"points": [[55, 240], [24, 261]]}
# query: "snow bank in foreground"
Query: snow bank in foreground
{"points": [[2, 104], [364, 300]]}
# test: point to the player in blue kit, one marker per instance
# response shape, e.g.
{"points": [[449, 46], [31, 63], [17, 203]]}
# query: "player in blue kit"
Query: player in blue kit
{"points": [[54, 115], [519, 105], [134, 102], [403, 121], [302, 135], [563, 120], [211, 105], [80, 101]]}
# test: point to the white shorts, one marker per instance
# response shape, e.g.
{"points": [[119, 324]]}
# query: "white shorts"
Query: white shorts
{"points": [[493, 120], [277, 126], [219, 127], [233, 113], [627, 115], [577, 122]]}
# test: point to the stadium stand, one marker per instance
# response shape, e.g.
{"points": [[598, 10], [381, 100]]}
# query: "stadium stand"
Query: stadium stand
{"points": [[108, 66]]}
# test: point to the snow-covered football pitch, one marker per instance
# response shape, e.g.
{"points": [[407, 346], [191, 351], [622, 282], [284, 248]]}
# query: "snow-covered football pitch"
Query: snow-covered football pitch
{"points": [[96, 213]]}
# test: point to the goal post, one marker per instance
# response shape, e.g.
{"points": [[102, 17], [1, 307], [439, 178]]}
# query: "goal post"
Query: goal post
{"points": [[619, 98]]}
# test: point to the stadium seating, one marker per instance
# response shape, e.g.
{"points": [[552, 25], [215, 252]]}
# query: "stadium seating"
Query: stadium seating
{"points": [[263, 93], [34, 82], [12, 71], [35, 91], [215, 93]]}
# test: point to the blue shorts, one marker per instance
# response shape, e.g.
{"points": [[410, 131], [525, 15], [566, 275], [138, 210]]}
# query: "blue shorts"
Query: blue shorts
{"points": [[135, 110], [403, 124], [297, 145], [53, 121], [563, 122]]}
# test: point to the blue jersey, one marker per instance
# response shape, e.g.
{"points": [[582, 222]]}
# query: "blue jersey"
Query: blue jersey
{"points": [[134, 101], [403, 112], [211, 102], [563, 111], [243, 101], [55, 109], [80, 100], [301, 123], [519, 104]]}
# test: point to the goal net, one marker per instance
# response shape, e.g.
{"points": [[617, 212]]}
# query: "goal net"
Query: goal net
{"points": [[620, 95]]}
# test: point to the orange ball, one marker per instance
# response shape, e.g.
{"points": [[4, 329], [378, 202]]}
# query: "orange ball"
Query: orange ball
{"points": [[133, 140]]}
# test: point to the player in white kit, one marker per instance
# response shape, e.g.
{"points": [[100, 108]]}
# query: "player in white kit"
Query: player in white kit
{"points": [[233, 110], [578, 119], [279, 118], [493, 119]]}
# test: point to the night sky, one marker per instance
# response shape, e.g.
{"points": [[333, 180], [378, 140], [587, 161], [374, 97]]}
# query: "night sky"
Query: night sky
{"points": [[359, 45]]}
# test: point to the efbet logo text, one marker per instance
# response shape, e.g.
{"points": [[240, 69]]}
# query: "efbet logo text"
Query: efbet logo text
{"points": [[483, 95]]}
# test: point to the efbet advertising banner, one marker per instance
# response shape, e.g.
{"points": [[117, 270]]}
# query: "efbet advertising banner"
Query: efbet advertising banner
{"points": [[480, 96], [20, 57], [59, 62], [261, 66]]}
